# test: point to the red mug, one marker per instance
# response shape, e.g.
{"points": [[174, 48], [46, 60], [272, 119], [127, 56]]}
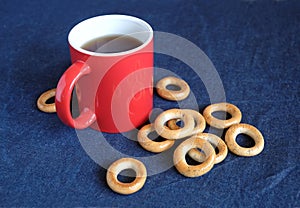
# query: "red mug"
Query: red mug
{"points": [[114, 89]]}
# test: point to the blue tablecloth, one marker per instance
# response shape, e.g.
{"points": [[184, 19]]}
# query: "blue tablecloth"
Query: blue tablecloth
{"points": [[255, 47]]}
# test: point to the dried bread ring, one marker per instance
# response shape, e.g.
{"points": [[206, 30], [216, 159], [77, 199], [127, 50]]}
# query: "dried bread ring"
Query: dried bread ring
{"points": [[254, 133], [175, 95], [41, 102], [123, 164], [222, 123], [194, 170]]}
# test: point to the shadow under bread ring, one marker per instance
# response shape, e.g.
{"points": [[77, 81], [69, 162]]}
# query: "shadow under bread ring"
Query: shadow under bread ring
{"points": [[194, 170], [166, 132], [236, 115], [199, 120], [123, 164], [175, 95], [216, 142], [151, 145], [42, 101], [254, 133]]}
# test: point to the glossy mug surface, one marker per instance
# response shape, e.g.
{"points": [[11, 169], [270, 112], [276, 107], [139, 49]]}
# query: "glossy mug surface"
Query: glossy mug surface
{"points": [[114, 90]]}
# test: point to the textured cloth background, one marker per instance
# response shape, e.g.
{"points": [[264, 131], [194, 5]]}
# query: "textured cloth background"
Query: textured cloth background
{"points": [[255, 47]]}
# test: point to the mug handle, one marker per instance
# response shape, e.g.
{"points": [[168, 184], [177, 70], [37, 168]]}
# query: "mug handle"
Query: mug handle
{"points": [[63, 97]]}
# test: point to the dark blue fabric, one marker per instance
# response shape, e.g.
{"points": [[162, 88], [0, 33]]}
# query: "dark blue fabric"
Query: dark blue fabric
{"points": [[255, 47]]}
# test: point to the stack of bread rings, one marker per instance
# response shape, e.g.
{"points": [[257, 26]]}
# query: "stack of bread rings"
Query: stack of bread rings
{"points": [[198, 145], [165, 125]]}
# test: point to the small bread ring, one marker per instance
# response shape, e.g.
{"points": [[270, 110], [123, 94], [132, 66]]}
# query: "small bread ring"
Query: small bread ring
{"points": [[151, 145], [199, 120], [194, 170], [216, 142], [174, 95], [41, 102], [254, 133], [219, 123], [164, 131], [123, 164]]}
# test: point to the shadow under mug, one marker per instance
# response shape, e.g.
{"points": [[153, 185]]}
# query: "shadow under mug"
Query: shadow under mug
{"points": [[114, 90]]}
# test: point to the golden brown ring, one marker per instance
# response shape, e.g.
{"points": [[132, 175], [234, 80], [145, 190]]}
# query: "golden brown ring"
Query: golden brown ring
{"points": [[175, 95], [194, 170], [41, 102], [254, 133], [220, 123], [199, 120], [166, 132], [216, 142], [151, 145], [123, 164]]}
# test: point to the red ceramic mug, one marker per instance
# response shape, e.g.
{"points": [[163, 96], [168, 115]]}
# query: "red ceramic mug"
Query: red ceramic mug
{"points": [[114, 89]]}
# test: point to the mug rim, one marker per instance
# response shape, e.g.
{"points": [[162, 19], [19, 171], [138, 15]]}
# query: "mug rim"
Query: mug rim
{"points": [[113, 16]]}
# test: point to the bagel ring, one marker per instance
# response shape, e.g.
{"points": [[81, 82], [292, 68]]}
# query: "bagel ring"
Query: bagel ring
{"points": [[254, 133], [194, 170], [123, 164], [41, 102], [175, 95], [220, 123]]}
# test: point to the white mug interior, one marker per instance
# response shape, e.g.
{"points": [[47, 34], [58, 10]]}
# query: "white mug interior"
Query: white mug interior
{"points": [[110, 25]]}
